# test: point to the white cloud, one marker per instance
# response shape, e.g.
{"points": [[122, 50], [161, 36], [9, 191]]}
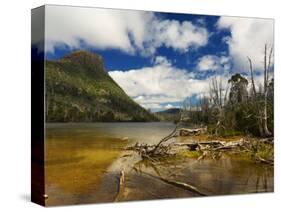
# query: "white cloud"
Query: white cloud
{"points": [[160, 60], [168, 106], [179, 36], [100, 28], [248, 37], [160, 85], [129, 31], [213, 63]]}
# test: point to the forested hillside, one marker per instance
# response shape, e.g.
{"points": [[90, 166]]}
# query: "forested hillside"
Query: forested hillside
{"points": [[78, 89]]}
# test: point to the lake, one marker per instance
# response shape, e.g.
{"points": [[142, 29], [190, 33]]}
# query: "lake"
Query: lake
{"points": [[83, 161]]}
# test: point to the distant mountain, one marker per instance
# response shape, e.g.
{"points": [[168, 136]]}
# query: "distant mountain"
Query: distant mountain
{"points": [[171, 114], [78, 89], [170, 111]]}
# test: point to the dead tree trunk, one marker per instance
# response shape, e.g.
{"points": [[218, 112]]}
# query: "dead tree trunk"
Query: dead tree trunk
{"points": [[265, 127], [260, 116], [171, 135], [216, 91], [252, 78]]}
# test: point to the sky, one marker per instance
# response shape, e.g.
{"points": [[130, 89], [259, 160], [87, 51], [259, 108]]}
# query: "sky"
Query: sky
{"points": [[160, 59]]}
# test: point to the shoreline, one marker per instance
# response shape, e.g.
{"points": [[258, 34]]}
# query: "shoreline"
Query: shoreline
{"points": [[184, 173], [128, 177]]}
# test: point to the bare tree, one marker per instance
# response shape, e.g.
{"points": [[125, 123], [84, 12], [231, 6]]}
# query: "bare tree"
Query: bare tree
{"points": [[218, 100], [267, 64], [214, 92], [252, 77], [262, 111]]}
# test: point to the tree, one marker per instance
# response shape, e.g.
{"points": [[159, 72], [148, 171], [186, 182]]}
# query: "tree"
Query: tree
{"points": [[262, 98], [204, 105], [218, 100], [267, 66], [252, 77], [238, 90]]}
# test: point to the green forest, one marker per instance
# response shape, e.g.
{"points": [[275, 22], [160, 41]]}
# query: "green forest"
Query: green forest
{"points": [[78, 89]]}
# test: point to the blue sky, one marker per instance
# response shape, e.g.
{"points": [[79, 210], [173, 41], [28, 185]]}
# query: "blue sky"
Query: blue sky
{"points": [[114, 58], [160, 59]]}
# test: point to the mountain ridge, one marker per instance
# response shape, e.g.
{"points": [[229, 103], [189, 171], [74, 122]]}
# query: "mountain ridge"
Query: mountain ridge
{"points": [[171, 114], [79, 89]]}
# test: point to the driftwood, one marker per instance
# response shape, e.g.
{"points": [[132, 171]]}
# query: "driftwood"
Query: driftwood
{"points": [[211, 148], [181, 185], [201, 145], [196, 131], [267, 140], [202, 156], [193, 146], [168, 137], [160, 150], [262, 160], [149, 151], [121, 181]]}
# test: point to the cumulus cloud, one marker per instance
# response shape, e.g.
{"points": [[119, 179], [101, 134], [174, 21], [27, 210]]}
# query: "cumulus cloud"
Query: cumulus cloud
{"points": [[160, 85], [129, 31], [213, 63], [248, 37], [179, 36], [169, 106]]}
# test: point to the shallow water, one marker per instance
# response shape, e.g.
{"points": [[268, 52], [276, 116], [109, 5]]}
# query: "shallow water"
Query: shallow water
{"points": [[78, 155], [83, 164]]}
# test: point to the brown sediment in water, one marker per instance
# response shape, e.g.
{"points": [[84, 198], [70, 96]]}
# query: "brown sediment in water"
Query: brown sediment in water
{"points": [[227, 176], [75, 168], [232, 172], [83, 168]]}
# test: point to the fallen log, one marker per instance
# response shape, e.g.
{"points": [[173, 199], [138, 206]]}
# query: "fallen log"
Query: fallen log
{"points": [[226, 147], [262, 160], [202, 156], [188, 132], [267, 140], [215, 142], [230, 145], [194, 145], [181, 185], [121, 181], [168, 137]]}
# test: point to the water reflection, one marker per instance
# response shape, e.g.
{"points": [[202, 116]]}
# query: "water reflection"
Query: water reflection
{"points": [[83, 162]]}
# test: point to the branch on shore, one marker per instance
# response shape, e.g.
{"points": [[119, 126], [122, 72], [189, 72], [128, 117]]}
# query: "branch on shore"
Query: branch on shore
{"points": [[196, 131], [121, 181], [212, 148], [262, 160], [178, 184]]}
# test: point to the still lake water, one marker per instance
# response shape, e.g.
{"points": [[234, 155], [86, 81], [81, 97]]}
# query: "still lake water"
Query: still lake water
{"points": [[82, 161]]}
